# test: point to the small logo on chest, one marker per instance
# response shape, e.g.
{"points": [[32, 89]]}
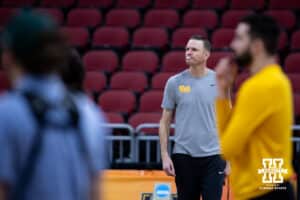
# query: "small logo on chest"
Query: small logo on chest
{"points": [[184, 88]]}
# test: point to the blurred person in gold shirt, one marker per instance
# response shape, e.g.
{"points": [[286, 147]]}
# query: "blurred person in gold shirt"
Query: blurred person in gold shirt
{"points": [[255, 133]]}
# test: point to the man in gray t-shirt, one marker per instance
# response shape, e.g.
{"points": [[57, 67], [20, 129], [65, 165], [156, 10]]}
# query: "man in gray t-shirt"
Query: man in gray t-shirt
{"points": [[198, 167]]}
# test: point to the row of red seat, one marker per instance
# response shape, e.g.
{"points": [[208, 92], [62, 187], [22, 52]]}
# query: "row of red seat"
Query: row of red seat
{"points": [[138, 82], [154, 117], [134, 81], [119, 38], [152, 113], [121, 100], [143, 61], [167, 18], [148, 61], [178, 4]]}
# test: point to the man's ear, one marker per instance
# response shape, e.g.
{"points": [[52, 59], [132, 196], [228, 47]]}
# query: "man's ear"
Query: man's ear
{"points": [[207, 54], [256, 46]]}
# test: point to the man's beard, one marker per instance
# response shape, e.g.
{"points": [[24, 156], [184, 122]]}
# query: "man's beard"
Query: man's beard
{"points": [[244, 60]]}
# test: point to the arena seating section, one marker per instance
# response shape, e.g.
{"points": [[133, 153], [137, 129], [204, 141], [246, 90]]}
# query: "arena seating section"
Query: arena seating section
{"points": [[131, 47]]}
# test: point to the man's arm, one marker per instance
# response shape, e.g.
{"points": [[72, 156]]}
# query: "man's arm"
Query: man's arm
{"points": [[248, 114], [224, 109], [253, 106], [164, 129]]}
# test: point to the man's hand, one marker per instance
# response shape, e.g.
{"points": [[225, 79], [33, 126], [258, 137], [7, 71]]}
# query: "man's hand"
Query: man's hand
{"points": [[226, 72], [227, 168], [168, 166]]}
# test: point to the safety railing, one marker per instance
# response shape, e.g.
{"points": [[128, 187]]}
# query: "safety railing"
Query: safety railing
{"points": [[145, 148], [139, 146], [149, 145], [120, 147], [296, 140]]}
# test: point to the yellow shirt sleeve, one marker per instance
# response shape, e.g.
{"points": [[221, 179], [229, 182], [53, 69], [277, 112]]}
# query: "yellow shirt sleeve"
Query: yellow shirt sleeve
{"points": [[235, 126]]}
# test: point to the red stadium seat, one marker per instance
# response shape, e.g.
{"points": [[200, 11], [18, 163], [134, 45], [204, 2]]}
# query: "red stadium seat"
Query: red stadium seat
{"points": [[133, 3], [112, 117], [200, 19], [287, 4], [174, 61], [144, 118], [121, 101], [57, 3], [18, 3], [150, 38], [285, 18], [78, 37], [291, 63], [211, 4], [94, 82], [295, 41], [159, 80], [231, 18], [283, 40], [145, 61], [166, 18], [84, 17], [181, 36], [128, 18], [215, 56], [101, 61], [95, 3], [174, 4], [6, 14], [115, 37], [133, 81], [295, 81], [222, 38], [151, 101], [55, 13], [247, 4]]}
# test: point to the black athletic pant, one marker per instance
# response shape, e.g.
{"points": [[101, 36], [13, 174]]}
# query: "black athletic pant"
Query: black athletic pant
{"points": [[201, 176], [285, 194]]}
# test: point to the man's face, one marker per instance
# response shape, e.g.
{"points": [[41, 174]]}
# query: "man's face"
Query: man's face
{"points": [[241, 45], [195, 53]]}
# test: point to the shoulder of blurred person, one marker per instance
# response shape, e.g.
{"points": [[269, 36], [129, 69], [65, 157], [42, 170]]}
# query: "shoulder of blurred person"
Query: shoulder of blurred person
{"points": [[93, 123], [73, 75]]}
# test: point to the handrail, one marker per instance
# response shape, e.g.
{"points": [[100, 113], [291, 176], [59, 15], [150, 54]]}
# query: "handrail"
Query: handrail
{"points": [[149, 125], [129, 137], [119, 125], [296, 127], [156, 125]]}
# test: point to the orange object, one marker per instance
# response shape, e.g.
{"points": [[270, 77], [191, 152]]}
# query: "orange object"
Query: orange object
{"points": [[131, 184]]}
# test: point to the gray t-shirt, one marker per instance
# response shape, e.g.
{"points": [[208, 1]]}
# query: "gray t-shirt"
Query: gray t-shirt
{"points": [[195, 124]]}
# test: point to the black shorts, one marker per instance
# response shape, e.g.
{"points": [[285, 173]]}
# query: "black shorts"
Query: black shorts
{"points": [[201, 176]]}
